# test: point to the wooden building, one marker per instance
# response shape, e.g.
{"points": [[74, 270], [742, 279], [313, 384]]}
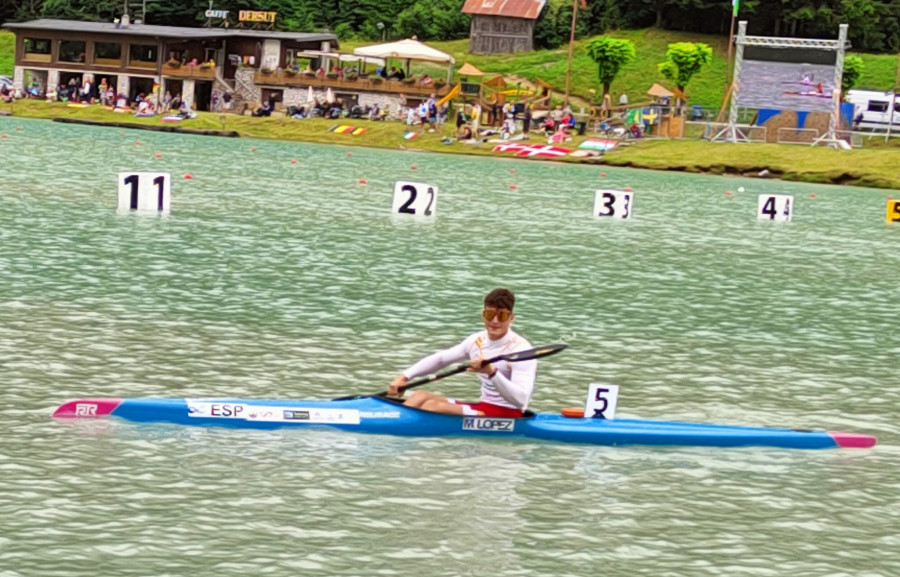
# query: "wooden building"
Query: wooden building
{"points": [[138, 58], [502, 26]]}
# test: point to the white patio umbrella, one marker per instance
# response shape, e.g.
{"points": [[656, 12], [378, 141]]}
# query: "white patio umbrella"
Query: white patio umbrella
{"points": [[409, 49], [310, 97], [329, 96]]}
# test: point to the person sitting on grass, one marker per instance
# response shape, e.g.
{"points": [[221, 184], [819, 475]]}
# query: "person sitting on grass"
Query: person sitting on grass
{"points": [[264, 110]]}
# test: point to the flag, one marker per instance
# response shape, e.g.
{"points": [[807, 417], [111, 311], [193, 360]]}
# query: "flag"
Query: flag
{"points": [[734, 7], [410, 134]]}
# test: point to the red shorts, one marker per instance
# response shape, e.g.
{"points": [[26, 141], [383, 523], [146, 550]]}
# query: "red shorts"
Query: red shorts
{"points": [[488, 409]]}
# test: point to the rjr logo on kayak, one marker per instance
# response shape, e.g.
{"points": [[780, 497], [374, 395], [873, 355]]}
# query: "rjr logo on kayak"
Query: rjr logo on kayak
{"points": [[487, 424]]}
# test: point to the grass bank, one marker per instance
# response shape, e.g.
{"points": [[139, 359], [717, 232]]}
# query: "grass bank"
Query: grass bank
{"points": [[872, 167]]}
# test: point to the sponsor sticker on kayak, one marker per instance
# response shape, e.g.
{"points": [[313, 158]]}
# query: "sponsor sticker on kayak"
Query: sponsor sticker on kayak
{"points": [[488, 424], [303, 414]]}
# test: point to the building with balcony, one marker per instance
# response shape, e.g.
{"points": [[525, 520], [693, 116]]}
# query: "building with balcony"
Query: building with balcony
{"points": [[200, 64]]}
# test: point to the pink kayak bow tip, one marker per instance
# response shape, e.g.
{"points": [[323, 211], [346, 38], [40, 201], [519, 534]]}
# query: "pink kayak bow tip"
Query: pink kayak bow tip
{"points": [[853, 440], [86, 408]]}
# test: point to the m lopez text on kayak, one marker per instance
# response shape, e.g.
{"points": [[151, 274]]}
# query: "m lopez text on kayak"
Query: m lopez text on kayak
{"points": [[482, 424]]}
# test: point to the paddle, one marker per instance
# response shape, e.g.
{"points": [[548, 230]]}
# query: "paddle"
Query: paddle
{"points": [[534, 353]]}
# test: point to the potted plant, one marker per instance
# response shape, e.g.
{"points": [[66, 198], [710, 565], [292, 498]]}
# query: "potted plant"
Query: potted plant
{"points": [[377, 80], [173, 63], [352, 76], [266, 70], [291, 71], [207, 65], [331, 75], [410, 80], [439, 84]]}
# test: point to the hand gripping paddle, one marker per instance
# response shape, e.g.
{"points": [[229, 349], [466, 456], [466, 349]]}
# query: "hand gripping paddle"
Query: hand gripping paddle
{"points": [[535, 353]]}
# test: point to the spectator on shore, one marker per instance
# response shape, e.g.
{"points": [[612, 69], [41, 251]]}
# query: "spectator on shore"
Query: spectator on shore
{"points": [[526, 120], [623, 99]]}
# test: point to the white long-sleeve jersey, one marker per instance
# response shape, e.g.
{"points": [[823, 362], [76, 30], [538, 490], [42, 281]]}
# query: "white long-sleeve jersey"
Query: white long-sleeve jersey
{"points": [[512, 385]]}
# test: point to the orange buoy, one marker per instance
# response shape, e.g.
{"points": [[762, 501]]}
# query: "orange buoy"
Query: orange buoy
{"points": [[3, 136], [137, 142], [293, 161], [727, 193], [513, 187], [413, 167], [362, 181], [602, 175], [188, 176], [572, 412], [627, 189], [812, 194], [349, 154], [158, 155], [253, 149], [512, 170]]}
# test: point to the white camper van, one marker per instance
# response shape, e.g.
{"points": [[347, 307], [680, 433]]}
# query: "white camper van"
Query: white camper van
{"points": [[875, 108]]}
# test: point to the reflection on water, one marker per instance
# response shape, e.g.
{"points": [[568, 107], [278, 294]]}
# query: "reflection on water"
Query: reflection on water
{"points": [[272, 279]]}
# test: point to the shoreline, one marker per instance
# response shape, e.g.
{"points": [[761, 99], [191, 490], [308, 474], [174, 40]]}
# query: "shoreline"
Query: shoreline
{"points": [[865, 167]]}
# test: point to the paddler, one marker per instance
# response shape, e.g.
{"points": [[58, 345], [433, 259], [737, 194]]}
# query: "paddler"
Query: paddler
{"points": [[506, 388]]}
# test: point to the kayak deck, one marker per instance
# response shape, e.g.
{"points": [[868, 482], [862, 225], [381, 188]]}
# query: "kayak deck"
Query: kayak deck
{"points": [[384, 416]]}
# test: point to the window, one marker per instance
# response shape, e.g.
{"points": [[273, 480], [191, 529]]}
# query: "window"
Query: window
{"points": [[209, 55], [143, 53], [71, 50], [877, 106], [37, 46], [108, 50]]}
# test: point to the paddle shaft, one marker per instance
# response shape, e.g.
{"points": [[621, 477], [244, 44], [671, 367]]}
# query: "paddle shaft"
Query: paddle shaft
{"points": [[509, 357], [527, 355]]}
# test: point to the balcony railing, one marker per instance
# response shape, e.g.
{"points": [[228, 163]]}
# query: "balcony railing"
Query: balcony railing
{"points": [[370, 84], [185, 71]]}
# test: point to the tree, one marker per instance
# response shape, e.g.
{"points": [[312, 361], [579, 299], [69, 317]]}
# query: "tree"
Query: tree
{"points": [[853, 69], [611, 55], [683, 60]]}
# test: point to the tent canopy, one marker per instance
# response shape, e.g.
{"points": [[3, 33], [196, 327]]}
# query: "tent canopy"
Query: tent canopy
{"points": [[469, 70], [659, 91], [496, 81], [409, 49]]}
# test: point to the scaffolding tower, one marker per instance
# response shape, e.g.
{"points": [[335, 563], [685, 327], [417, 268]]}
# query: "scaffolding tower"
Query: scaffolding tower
{"points": [[732, 132]]}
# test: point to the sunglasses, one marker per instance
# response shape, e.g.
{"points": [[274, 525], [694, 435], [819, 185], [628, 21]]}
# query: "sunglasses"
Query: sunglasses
{"points": [[502, 315]]}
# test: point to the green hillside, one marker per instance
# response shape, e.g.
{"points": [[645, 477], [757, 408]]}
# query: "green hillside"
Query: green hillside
{"points": [[7, 52]]}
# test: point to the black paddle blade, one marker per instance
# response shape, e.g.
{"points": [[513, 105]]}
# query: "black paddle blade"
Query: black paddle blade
{"points": [[535, 353]]}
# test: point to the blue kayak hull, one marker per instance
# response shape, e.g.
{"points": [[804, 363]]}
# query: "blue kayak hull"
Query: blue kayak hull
{"points": [[376, 415]]}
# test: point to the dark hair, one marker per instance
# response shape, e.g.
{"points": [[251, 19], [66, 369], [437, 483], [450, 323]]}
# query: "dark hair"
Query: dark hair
{"points": [[501, 298]]}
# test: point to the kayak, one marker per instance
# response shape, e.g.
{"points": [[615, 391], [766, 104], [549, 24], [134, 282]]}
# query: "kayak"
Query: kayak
{"points": [[379, 415]]}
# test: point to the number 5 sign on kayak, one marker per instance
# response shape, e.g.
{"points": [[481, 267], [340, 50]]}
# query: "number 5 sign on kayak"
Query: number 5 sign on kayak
{"points": [[602, 400], [416, 198]]}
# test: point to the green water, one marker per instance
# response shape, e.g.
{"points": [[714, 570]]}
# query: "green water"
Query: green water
{"points": [[271, 279]]}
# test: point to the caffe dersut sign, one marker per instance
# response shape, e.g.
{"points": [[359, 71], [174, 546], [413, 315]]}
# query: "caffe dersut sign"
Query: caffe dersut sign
{"points": [[243, 15]]}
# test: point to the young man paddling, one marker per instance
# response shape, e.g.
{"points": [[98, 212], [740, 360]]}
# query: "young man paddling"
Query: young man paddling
{"points": [[506, 388]]}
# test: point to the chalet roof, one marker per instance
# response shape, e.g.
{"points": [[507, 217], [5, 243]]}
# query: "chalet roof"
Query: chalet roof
{"points": [[496, 81], [529, 9], [174, 32]]}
